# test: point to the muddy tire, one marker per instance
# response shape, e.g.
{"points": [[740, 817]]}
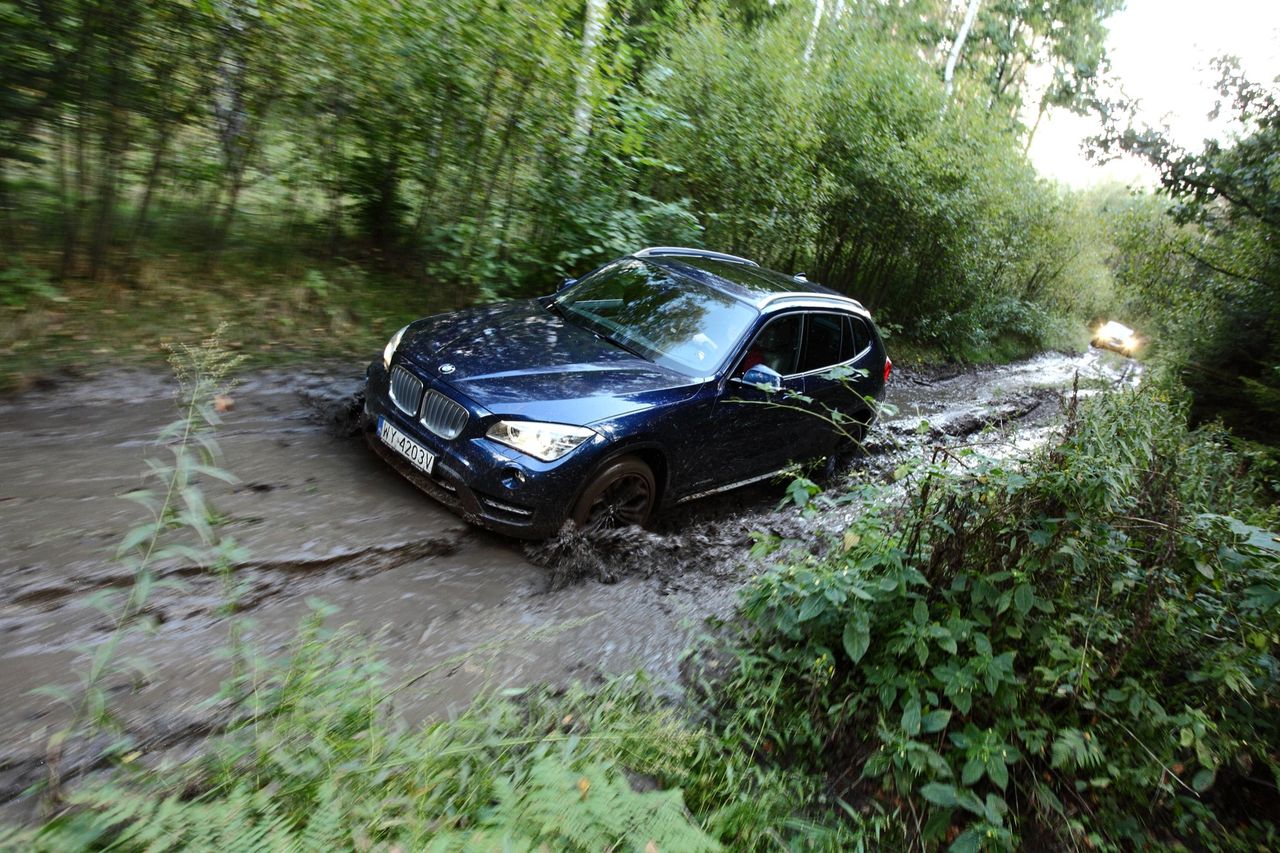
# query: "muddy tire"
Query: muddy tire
{"points": [[851, 444], [623, 493]]}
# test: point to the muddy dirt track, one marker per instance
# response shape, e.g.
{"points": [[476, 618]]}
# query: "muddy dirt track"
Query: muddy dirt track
{"points": [[321, 517]]}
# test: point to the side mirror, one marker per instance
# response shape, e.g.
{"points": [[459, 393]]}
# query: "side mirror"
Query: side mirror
{"points": [[764, 375], [568, 282]]}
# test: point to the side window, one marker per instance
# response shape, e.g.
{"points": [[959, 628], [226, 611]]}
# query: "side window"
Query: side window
{"points": [[859, 335], [827, 342], [776, 346]]}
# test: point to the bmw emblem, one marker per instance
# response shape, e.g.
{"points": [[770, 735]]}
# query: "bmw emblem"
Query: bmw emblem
{"points": [[446, 369]]}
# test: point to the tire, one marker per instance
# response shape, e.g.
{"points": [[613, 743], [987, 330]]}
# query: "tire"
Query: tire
{"points": [[623, 493], [851, 444]]}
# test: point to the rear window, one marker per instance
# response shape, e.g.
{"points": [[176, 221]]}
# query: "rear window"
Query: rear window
{"points": [[859, 334], [833, 339], [827, 342]]}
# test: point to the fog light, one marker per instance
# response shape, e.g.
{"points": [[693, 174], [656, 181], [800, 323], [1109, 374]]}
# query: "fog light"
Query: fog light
{"points": [[512, 476]]}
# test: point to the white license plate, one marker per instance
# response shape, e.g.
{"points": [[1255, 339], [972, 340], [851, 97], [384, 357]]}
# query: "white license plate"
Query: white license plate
{"points": [[418, 456]]}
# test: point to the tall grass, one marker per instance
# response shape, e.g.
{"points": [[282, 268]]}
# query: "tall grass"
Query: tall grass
{"points": [[174, 503]]}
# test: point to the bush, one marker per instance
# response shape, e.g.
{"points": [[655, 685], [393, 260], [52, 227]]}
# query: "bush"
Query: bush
{"points": [[1079, 649]]}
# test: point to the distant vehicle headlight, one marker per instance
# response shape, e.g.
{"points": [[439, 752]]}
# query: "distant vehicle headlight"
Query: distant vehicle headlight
{"points": [[390, 349], [547, 442]]}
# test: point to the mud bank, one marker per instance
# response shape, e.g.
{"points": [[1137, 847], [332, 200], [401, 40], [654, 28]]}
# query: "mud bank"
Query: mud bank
{"points": [[322, 518]]}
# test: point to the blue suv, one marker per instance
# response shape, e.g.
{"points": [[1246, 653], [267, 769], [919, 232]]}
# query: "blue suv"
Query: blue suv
{"points": [[647, 383]]}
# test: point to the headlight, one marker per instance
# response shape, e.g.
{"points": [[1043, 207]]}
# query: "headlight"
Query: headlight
{"points": [[547, 442], [390, 349]]}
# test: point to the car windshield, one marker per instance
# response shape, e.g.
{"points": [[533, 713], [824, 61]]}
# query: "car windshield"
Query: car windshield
{"points": [[675, 322]]}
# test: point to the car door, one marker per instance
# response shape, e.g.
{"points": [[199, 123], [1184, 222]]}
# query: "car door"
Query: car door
{"points": [[753, 431], [834, 340]]}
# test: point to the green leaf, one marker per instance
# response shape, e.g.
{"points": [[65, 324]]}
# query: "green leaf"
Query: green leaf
{"points": [[911, 717], [940, 794], [967, 842], [969, 801], [996, 808], [972, 772], [997, 771], [1024, 598], [812, 606], [935, 721], [920, 612], [1203, 779], [136, 537], [857, 637]]}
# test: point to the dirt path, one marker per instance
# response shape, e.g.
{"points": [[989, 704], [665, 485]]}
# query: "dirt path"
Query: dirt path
{"points": [[323, 518]]}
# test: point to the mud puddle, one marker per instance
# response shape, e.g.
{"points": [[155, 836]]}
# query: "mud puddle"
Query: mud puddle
{"points": [[322, 518]]}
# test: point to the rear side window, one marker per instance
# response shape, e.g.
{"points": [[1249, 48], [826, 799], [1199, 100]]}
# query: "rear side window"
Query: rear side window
{"points": [[830, 340], [825, 342], [859, 334]]}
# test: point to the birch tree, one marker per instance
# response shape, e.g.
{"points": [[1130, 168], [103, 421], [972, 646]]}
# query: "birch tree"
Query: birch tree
{"points": [[591, 29], [948, 74], [818, 8]]}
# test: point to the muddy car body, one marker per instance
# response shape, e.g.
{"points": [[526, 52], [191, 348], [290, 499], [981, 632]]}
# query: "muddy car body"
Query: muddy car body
{"points": [[645, 383]]}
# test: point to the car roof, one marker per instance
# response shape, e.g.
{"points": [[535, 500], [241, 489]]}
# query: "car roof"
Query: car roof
{"points": [[747, 281]]}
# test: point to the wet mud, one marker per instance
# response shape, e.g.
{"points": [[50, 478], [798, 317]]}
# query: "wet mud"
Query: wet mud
{"points": [[454, 609]]}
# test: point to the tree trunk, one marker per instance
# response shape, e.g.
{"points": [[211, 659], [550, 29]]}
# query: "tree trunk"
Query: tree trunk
{"points": [[65, 202], [153, 178], [104, 225], [432, 163], [948, 74], [591, 29], [818, 6], [6, 218], [229, 210], [1031, 135], [504, 145]]}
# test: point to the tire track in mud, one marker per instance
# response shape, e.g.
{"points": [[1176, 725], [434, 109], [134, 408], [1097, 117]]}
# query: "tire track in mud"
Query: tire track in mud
{"points": [[348, 565], [325, 518]]}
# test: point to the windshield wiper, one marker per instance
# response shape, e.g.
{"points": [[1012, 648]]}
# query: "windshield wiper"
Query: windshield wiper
{"points": [[619, 344], [554, 307]]}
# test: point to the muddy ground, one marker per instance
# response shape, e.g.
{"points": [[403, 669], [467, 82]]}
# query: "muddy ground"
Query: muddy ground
{"points": [[322, 518]]}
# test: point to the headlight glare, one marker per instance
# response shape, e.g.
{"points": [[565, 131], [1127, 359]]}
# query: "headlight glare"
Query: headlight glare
{"points": [[390, 349], [547, 442]]}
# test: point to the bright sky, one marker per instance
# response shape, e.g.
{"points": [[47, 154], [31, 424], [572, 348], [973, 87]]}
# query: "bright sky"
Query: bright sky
{"points": [[1160, 52]]}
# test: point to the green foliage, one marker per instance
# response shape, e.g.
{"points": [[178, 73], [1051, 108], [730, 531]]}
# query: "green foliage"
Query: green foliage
{"points": [[1207, 278], [1082, 647], [588, 809], [471, 145], [929, 216], [21, 287], [316, 761]]}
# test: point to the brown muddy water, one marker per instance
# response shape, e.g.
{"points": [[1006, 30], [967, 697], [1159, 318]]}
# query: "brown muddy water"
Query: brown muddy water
{"points": [[322, 518]]}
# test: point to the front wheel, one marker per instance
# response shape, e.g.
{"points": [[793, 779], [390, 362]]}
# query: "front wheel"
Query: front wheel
{"points": [[623, 493]]}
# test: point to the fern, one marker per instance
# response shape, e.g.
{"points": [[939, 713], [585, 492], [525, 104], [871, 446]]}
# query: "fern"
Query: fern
{"points": [[324, 827], [589, 809]]}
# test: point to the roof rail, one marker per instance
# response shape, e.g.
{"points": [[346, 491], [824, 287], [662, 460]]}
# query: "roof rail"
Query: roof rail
{"points": [[680, 251]]}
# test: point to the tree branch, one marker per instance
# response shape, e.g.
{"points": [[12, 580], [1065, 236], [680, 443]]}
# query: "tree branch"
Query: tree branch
{"points": [[1240, 276]]}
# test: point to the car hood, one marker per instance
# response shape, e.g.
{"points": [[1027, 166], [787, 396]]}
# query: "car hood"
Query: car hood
{"points": [[518, 358]]}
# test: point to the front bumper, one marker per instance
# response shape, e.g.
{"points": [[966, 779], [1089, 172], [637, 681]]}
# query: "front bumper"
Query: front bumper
{"points": [[486, 483]]}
